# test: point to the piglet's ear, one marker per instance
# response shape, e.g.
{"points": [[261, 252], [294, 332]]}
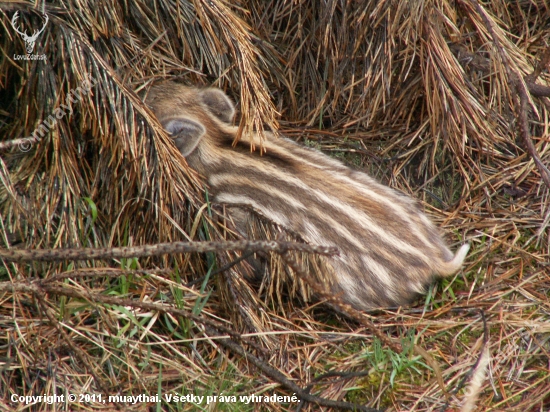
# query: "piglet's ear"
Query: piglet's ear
{"points": [[219, 104], [186, 133]]}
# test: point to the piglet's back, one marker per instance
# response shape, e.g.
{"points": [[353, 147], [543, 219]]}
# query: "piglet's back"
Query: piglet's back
{"points": [[389, 249]]}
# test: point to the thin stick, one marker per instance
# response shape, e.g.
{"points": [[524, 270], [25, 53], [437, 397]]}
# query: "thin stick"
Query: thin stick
{"points": [[482, 361], [521, 89], [54, 255], [212, 328], [279, 377]]}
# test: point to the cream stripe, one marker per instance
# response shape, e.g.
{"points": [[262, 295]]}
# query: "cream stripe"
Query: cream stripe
{"points": [[245, 200], [228, 197], [365, 221], [390, 198]]}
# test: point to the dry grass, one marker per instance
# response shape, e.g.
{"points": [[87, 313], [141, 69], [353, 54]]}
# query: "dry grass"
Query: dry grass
{"points": [[423, 95]]}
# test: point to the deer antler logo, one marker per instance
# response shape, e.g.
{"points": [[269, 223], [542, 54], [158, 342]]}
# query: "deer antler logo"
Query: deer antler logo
{"points": [[29, 40]]}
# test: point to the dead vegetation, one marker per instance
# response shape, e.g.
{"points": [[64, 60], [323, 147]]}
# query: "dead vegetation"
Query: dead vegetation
{"points": [[445, 100]]}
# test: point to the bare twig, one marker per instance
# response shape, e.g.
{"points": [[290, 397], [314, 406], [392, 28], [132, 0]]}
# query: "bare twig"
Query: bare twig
{"points": [[526, 135], [341, 375], [279, 377], [54, 255], [542, 64], [363, 319], [482, 64], [536, 89], [478, 369], [222, 269], [213, 328], [521, 89]]}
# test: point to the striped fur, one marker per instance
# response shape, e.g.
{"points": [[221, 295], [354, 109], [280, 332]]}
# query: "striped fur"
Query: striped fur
{"points": [[389, 250]]}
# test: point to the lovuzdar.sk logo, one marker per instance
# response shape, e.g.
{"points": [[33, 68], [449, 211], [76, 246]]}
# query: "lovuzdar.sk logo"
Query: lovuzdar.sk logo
{"points": [[30, 41]]}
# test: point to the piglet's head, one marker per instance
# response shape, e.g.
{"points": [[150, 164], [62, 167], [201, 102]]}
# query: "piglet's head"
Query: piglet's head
{"points": [[187, 112]]}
